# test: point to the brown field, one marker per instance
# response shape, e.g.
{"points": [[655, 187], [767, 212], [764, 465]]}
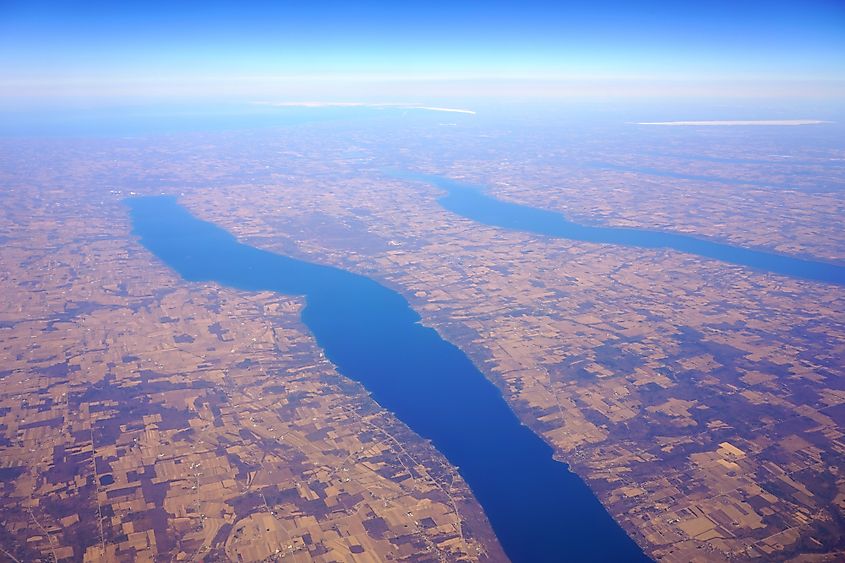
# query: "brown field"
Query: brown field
{"points": [[144, 418], [702, 402]]}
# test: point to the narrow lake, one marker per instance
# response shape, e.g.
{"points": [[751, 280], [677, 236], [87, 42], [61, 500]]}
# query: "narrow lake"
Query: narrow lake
{"points": [[538, 508], [472, 202]]}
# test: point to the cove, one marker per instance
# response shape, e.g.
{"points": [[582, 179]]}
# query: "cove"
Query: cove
{"points": [[539, 510], [473, 203]]}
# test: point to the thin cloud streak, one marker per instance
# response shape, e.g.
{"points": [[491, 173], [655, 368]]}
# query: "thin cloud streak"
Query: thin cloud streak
{"points": [[397, 105], [755, 122]]}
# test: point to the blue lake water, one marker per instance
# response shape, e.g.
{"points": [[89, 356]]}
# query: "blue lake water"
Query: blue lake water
{"points": [[472, 202], [539, 510]]}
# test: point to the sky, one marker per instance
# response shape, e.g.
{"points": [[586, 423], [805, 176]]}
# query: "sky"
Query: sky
{"points": [[336, 50]]}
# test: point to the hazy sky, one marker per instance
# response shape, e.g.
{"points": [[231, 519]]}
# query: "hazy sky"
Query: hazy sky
{"points": [[334, 50]]}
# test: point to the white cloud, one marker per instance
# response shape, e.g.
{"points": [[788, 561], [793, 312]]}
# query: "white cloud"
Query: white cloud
{"points": [[314, 104], [738, 122]]}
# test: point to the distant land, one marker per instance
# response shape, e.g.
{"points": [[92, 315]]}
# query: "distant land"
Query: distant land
{"points": [[699, 403]]}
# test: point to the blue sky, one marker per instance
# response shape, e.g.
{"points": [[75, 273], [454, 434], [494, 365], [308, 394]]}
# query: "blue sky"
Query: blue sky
{"points": [[275, 49]]}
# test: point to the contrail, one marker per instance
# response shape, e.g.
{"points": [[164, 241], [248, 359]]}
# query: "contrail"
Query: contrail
{"points": [[740, 122], [313, 104]]}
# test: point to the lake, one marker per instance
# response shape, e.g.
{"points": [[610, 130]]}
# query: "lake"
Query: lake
{"points": [[472, 202], [539, 509]]}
